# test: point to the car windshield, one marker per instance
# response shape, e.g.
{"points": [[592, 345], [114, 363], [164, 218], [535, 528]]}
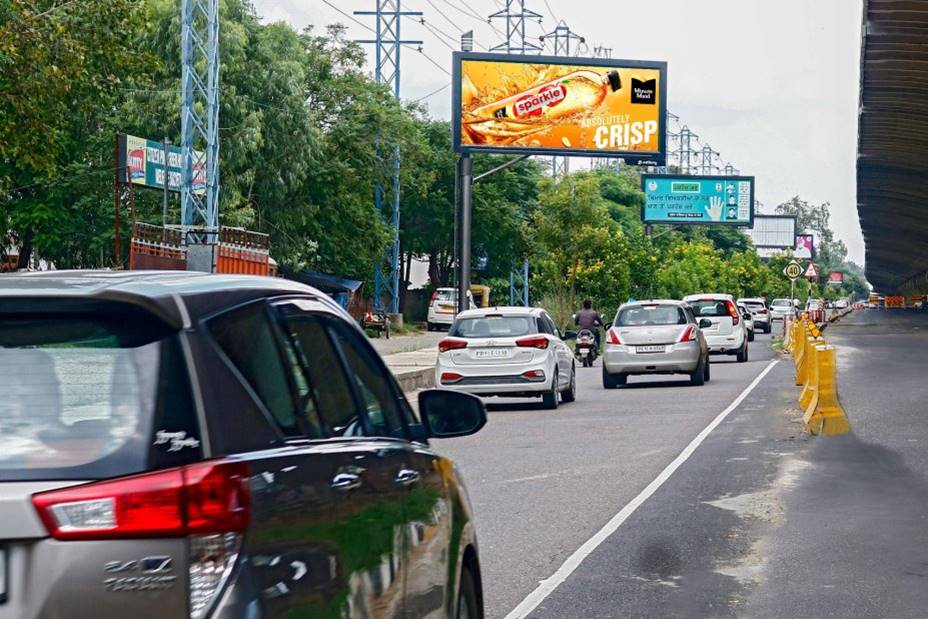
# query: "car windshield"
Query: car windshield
{"points": [[493, 326], [641, 315], [80, 396]]}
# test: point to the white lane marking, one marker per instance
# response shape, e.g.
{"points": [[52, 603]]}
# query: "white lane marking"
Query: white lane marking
{"points": [[546, 587], [529, 478]]}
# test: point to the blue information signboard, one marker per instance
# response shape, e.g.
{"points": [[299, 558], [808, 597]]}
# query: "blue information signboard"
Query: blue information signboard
{"points": [[726, 200]]}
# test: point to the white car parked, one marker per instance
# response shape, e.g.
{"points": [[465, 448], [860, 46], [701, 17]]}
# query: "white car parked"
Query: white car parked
{"points": [[727, 334], [442, 307], [507, 351]]}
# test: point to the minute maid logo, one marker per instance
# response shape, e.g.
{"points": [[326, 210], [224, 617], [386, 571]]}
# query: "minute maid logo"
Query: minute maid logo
{"points": [[644, 91]]}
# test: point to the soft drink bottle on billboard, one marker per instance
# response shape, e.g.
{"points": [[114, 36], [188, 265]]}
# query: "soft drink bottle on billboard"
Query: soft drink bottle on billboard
{"points": [[575, 93]]}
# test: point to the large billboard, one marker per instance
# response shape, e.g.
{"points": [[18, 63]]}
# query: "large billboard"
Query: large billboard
{"points": [[560, 106], [773, 232], [727, 200], [143, 161], [805, 247]]}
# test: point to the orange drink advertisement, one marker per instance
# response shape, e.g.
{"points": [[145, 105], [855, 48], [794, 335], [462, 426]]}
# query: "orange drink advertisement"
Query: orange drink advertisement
{"points": [[552, 105]]}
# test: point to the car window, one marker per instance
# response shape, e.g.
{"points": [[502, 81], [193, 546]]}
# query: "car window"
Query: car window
{"points": [[640, 315], [247, 338], [326, 385], [373, 384], [543, 325], [710, 308], [494, 326]]}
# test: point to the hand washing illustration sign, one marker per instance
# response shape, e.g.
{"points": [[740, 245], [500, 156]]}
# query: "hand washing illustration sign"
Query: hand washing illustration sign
{"points": [[726, 200]]}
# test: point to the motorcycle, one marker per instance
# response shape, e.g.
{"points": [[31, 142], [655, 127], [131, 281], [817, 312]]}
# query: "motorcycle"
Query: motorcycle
{"points": [[585, 349]]}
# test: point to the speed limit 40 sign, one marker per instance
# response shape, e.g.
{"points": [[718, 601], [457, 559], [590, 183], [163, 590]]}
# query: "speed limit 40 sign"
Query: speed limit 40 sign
{"points": [[793, 270]]}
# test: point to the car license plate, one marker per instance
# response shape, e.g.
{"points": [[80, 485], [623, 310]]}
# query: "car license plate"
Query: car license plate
{"points": [[584, 352], [446, 307], [491, 353], [650, 349]]}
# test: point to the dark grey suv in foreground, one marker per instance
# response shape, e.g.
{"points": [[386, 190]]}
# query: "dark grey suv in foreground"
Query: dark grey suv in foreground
{"points": [[179, 444]]}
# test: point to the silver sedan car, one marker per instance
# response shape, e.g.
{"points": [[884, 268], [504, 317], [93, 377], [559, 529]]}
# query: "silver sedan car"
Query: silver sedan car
{"points": [[654, 337]]}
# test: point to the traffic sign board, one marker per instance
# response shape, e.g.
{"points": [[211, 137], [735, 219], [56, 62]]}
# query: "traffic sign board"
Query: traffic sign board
{"points": [[793, 270], [811, 271]]}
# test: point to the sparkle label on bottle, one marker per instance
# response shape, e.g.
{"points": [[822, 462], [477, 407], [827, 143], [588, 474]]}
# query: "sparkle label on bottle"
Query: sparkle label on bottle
{"points": [[547, 96]]}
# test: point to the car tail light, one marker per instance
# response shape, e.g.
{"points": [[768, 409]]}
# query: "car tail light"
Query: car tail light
{"points": [[762, 311], [450, 377], [614, 337], [206, 498], [689, 334], [434, 296], [534, 374], [450, 344], [733, 312], [539, 341]]}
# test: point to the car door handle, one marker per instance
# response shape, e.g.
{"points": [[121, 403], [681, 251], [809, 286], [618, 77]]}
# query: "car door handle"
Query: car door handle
{"points": [[407, 477], [346, 481]]}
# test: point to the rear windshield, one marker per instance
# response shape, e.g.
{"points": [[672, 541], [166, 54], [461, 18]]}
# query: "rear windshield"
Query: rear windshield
{"points": [[754, 304], [639, 315], [493, 326], [81, 398], [780, 302], [446, 295], [709, 308]]}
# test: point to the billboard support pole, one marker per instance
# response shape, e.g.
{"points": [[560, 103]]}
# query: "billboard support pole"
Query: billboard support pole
{"points": [[466, 174], [117, 199], [164, 207]]}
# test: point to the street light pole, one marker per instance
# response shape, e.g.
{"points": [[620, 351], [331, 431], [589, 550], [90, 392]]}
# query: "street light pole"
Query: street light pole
{"points": [[466, 174]]}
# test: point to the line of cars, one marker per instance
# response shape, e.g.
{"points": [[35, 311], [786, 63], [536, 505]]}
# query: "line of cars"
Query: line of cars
{"points": [[520, 351]]}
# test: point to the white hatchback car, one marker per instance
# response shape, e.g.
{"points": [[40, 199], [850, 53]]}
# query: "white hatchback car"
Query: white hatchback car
{"points": [[727, 334], [507, 351], [442, 307]]}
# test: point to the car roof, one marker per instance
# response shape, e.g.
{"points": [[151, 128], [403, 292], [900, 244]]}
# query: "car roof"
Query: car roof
{"points": [[653, 302], [751, 300], [175, 296], [504, 310], [715, 296]]}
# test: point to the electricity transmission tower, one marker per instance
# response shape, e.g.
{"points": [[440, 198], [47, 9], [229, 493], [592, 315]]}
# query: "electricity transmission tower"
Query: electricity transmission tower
{"points": [[387, 44], [515, 15], [199, 137], [686, 152], [516, 42], [563, 37], [730, 170], [707, 165]]}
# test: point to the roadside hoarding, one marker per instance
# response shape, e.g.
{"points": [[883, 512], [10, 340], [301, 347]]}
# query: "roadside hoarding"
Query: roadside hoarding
{"points": [[805, 247], [548, 105], [143, 161], [773, 234], [726, 200], [836, 278]]}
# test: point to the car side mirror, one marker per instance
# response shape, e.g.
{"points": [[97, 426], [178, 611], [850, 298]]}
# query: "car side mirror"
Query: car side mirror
{"points": [[570, 335], [607, 326], [447, 414], [704, 323]]}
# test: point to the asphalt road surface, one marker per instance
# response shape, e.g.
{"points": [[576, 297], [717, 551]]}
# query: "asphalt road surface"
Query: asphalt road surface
{"points": [[662, 499]]}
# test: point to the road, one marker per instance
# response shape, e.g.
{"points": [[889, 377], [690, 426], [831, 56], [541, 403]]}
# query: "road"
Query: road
{"points": [[663, 499], [543, 482]]}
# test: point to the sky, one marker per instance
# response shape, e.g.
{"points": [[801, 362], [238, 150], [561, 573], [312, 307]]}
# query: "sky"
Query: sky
{"points": [[772, 86]]}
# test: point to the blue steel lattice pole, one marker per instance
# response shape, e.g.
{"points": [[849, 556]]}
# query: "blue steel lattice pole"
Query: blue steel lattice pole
{"points": [[200, 130], [387, 45]]}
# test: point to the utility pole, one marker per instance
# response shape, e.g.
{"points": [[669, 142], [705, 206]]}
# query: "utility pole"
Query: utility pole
{"points": [[387, 45], [516, 42], [563, 37], [199, 113]]}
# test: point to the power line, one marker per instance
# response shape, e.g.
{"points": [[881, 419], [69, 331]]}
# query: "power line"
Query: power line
{"points": [[439, 34], [556, 20], [351, 17], [429, 58], [433, 93], [471, 14], [447, 19]]}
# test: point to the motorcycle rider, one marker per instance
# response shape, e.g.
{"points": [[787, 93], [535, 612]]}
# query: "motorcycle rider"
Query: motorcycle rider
{"points": [[588, 318]]}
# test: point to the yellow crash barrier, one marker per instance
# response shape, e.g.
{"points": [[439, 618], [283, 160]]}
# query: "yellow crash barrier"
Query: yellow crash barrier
{"points": [[810, 386], [824, 414]]}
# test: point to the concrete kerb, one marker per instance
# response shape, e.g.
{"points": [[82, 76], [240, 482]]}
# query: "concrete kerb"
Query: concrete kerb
{"points": [[413, 370]]}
